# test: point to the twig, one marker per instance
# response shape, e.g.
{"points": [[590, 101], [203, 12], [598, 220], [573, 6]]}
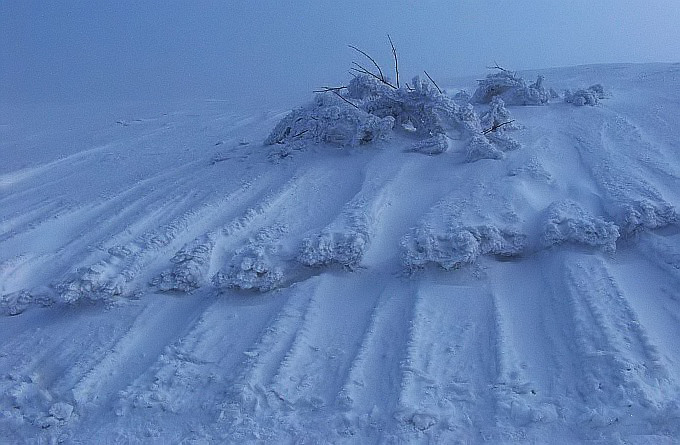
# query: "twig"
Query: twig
{"points": [[408, 87], [382, 77], [300, 133], [340, 96], [434, 83], [495, 127], [396, 62]]}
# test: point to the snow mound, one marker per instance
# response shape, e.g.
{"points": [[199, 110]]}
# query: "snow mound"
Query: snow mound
{"points": [[567, 222], [512, 88], [589, 96], [457, 246]]}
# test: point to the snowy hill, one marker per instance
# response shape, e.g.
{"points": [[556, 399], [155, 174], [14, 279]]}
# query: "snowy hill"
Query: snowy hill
{"points": [[167, 278]]}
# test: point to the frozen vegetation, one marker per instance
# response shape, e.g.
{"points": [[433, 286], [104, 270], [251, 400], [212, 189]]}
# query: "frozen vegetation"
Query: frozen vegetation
{"points": [[395, 264]]}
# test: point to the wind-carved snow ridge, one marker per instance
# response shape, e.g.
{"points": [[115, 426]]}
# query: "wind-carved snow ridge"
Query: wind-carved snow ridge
{"points": [[190, 265], [455, 247], [254, 266], [567, 222]]}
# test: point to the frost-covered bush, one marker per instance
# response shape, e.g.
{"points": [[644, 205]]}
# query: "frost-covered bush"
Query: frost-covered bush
{"points": [[512, 88], [498, 117], [420, 108], [458, 246], [589, 96], [567, 222], [331, 120], [368, 109]]}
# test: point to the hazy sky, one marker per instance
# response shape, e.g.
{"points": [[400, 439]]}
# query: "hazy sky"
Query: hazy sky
{"points": [[278, 51]]}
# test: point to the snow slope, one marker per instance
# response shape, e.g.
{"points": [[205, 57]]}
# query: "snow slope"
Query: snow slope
{"points": [[166, 278]]}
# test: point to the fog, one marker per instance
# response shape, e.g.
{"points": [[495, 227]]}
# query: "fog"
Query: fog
{"points": [[277, 52]]}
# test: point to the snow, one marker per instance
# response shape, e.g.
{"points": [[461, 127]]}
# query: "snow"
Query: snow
{"points": [[167, 277]]}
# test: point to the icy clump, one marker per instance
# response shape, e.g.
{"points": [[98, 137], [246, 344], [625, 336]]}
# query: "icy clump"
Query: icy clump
{"points": [[434, 145], [567, 222], [331, 120], [343, 248], [252, 267], [189, 269], [589, 96], [457, 246], [100, 282], [645, 214], [512, 88], [480, 147]]}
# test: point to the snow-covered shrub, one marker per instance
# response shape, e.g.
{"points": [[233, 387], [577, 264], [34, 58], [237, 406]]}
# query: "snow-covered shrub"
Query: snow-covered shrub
{"points": [[589, 96], [567, 222], [512, 88], [458, 246], [343, 248], [331, 120]]}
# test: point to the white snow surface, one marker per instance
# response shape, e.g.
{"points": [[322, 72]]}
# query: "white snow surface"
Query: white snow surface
{"points": [[166, 277]]}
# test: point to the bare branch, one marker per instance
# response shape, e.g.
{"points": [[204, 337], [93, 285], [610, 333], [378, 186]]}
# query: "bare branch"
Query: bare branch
{"points": [[408, 87], [434, 83], [382, 77], [396, 62], [327, 89], [496, 66], [496, 127], [300, 133]]}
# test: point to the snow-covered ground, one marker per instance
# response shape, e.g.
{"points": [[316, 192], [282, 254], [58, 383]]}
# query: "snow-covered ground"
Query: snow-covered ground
{"points": [[167, 278]]}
